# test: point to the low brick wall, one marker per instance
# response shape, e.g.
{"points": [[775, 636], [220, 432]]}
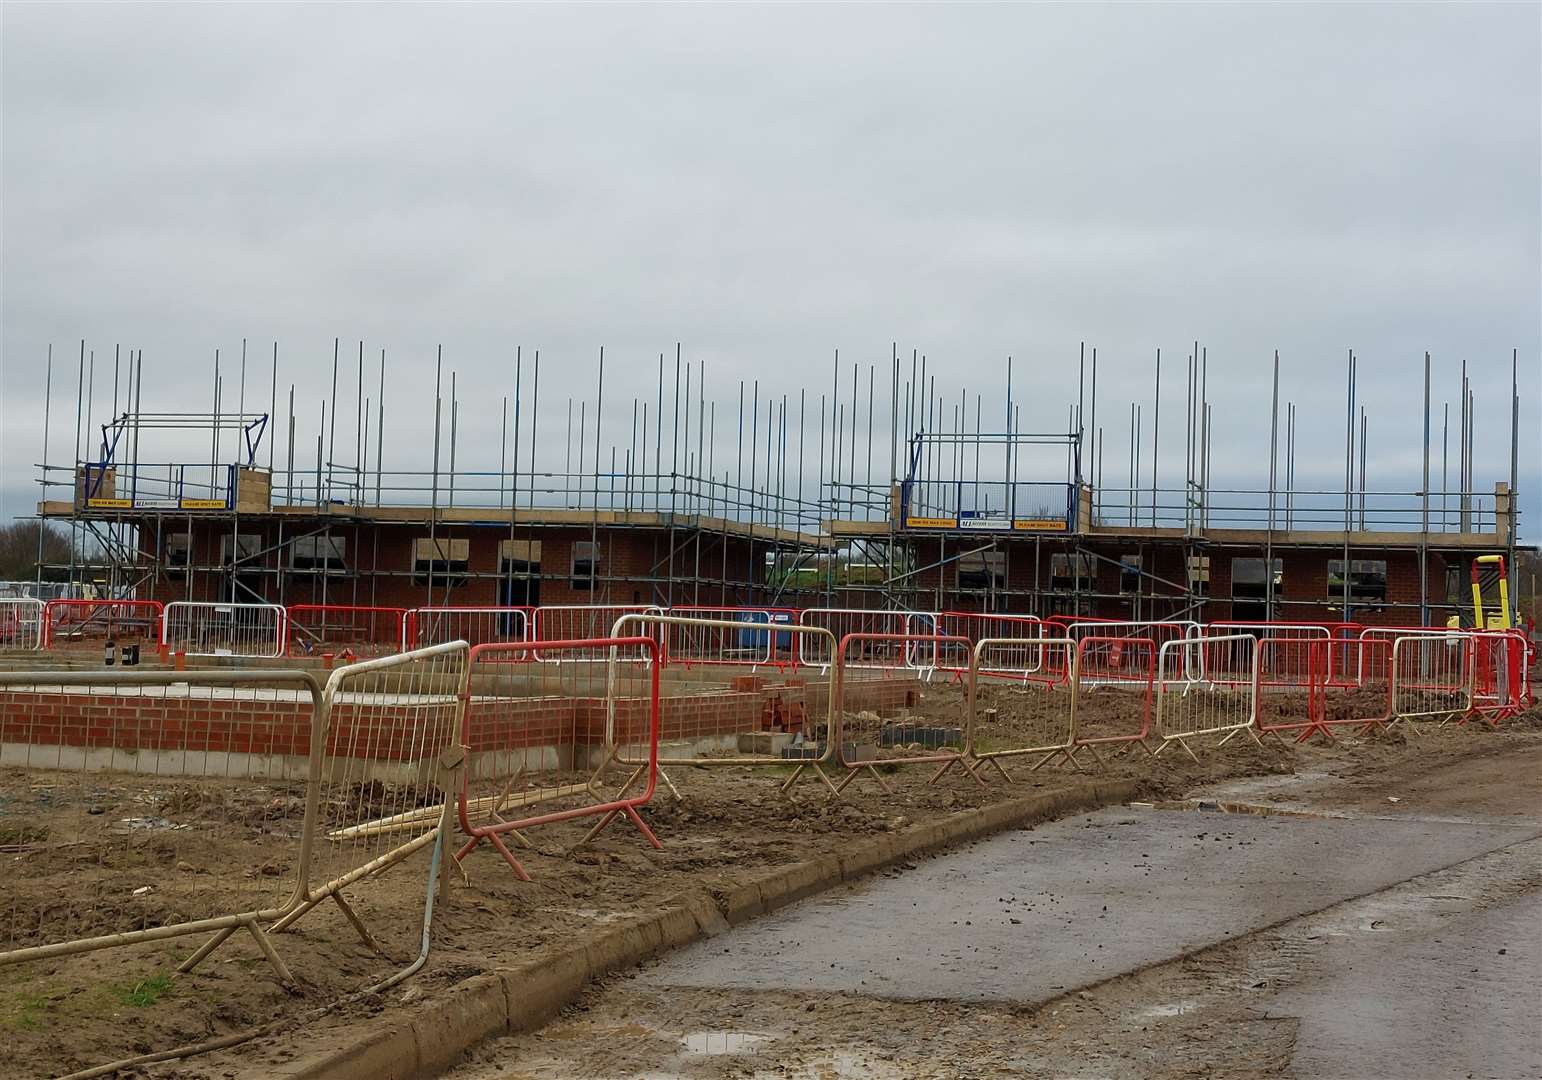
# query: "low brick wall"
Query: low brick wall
{"points": [[199, 731]]}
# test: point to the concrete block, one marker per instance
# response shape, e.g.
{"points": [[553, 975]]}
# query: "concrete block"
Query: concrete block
{"points": [[928, 736], [764, 742], [853, 752]]}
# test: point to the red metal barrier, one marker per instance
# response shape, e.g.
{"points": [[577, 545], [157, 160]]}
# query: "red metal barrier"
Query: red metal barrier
{"points": [[367, 630], [91, 621], [1121, 666], [525, 719], [1499, 678], [1331, 703]]}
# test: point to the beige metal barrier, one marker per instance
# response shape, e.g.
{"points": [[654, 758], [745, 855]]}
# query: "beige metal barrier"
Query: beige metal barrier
{"points": [[385, 768], [209, 629], [21, 623], [691, 718], [139, 766], [867, 740], [327, 786], [1432, 676], [1039, 673], [1225, 703]]}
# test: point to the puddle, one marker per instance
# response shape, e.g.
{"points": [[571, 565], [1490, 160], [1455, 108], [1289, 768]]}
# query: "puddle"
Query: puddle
{"points": [[597, 916], [1171, 1008], [829, 1065], [1218, 806], [713, 1043]]}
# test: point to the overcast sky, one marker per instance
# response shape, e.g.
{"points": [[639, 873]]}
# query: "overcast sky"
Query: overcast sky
{"points": [[768, 184]]}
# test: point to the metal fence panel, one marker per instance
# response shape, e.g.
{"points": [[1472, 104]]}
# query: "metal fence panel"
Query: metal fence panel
{"points": [[126, 771], [385, 762], [1224, 702], [582, 622], [95, 622], [757, 637], [1114, 676], [21, 623], [364, 630], [210, 629], [691, 716], [1499, 687], [474, 625], [888, 638], [1432, 676], [867, 739], [536, 739], [1042, 722]]}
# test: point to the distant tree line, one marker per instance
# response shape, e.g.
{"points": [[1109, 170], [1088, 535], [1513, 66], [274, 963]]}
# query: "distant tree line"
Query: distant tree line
{"points": [[19, 550]]}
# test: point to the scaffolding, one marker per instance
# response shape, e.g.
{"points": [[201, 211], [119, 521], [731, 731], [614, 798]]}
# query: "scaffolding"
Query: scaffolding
{"points": [[783, 500]]}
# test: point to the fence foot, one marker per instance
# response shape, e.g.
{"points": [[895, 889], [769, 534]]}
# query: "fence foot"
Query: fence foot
{"points": [[960, 761], [1070, 758], [508, 790], [834, 791], [593, 831], [632, 779], [521, 838], [636, 818], [358, 925], [1314, 729], [599, 770], [508, 856], [205, 949], [973, 770], [271, 953], [642, 827], [857, 770], [787, 784], [294, 916], [998, 767], [879, 778], [1093, 750], [664, 776]]}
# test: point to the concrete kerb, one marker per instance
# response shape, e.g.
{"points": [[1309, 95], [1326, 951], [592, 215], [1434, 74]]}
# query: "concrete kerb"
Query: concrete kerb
{"points": [[524, 997]]}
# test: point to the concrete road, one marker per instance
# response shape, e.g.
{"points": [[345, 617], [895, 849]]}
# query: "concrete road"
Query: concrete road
{"points": [[1025, 917], [1126, 943]]}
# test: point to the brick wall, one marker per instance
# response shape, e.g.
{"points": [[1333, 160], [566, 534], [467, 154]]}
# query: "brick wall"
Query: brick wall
{"points": [[379, 563], [226, 722]]}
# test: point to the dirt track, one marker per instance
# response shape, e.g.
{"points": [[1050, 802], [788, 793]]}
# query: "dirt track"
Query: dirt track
{"points": [[70, 1014]]}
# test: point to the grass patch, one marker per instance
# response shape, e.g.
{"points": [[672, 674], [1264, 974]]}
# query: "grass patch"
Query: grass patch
{"points": [[22, 833], [144, 993], [25, 1011]]}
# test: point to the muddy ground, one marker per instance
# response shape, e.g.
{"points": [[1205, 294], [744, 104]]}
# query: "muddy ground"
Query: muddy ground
{"points": [[221, 846]]}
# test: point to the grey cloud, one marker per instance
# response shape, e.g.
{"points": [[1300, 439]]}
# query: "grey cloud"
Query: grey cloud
{"points": [[769, 183]]}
